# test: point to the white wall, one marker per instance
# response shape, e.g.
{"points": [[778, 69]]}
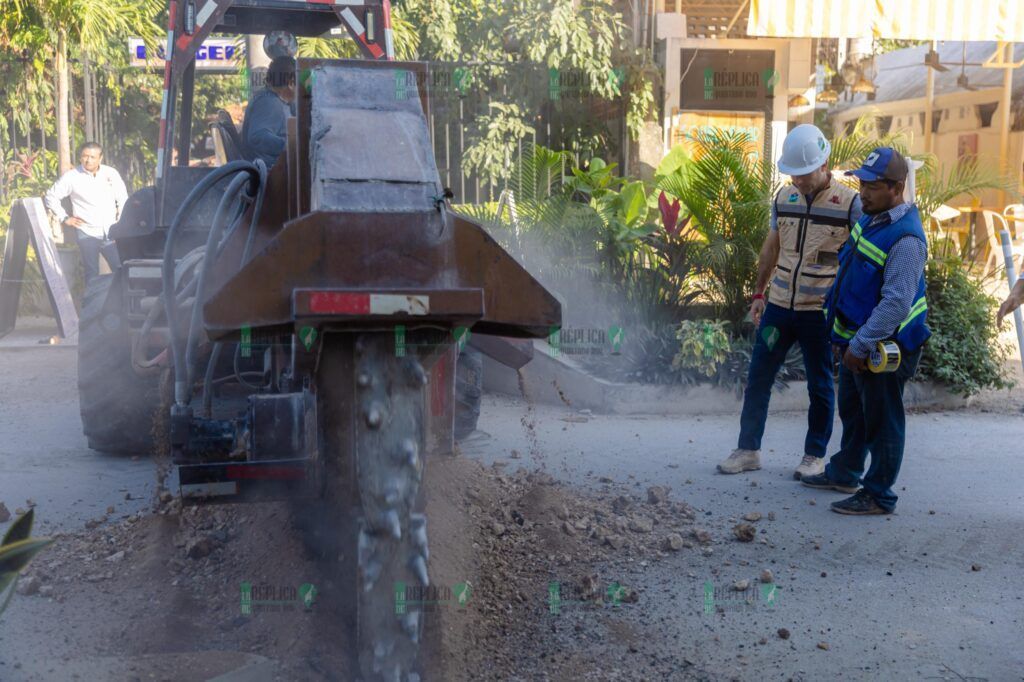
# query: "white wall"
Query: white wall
{"points": [[792, 61]]}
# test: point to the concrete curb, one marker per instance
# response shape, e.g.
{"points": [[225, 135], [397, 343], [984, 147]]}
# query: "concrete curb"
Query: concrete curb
{"points": [[561, 381]]}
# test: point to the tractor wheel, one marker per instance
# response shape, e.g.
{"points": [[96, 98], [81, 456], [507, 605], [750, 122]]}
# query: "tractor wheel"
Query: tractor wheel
{"points": [[117, 405], [371, 406]]}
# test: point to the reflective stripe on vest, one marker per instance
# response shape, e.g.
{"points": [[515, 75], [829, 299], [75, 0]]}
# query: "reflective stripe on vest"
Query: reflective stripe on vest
{"points": [[838, 328], [867, 249], [920, 305], [916, 310]]}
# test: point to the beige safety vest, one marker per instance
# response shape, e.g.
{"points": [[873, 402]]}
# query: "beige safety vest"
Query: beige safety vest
{"points": [[810, 238]]}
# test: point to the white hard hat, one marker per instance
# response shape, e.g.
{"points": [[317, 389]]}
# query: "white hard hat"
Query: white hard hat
{"points": [[804, 150]]}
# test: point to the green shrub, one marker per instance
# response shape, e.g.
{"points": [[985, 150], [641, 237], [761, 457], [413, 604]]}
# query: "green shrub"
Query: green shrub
{"points": [[964, 351], [703, 346]]}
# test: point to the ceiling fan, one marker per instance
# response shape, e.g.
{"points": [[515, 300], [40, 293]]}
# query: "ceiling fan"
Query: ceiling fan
{"points": [[961, 80], [931, 59]]}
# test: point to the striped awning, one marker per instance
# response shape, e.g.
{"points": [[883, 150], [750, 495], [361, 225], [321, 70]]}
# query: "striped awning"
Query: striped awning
{"points": [[1000, 20]]}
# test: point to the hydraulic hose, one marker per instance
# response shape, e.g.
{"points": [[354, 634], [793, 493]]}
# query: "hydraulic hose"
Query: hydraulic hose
{"points": [[178, 350], [236, 184], [208, 380]]}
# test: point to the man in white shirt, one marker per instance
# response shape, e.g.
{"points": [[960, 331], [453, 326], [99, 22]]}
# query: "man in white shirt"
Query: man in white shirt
{"points": [[97, 195]]}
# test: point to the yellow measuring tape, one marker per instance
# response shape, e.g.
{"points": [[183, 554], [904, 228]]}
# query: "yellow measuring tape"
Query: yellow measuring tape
{"points": [[884, 358]]}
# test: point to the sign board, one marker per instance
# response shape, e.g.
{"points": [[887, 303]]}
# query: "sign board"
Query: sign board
{"points": [[215, 54], [686, 124], [727, 80], [30, 225]]}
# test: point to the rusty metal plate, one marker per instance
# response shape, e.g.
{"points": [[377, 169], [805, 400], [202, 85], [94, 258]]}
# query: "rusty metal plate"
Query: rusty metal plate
{"points": [[370, 148]]}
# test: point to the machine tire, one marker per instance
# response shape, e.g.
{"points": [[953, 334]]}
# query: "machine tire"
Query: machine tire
{"points": [[469, 388], [117, 405]]}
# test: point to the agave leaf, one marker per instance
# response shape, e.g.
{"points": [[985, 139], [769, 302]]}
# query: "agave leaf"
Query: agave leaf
{"points": [[16, 555], [8, 586], [21, 528]]}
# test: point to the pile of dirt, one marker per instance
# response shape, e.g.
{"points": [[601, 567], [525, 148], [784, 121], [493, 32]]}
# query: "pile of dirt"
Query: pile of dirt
{"points": [[539, 555], [171, 580]]}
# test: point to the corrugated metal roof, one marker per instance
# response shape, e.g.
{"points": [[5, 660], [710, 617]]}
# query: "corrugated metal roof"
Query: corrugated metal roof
{"points": [[902, 73]]}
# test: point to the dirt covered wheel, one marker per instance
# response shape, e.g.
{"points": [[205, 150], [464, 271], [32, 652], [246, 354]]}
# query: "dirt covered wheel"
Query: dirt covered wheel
{"points": [[469, 387], [117, 405], [371, 407]]}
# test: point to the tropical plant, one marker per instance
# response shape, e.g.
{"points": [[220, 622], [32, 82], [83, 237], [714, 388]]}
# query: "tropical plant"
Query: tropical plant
{"points": [[703, 346], [497, 41], [56, 27], [850, 149], [727, 190], [964, 351], [16, 551]]}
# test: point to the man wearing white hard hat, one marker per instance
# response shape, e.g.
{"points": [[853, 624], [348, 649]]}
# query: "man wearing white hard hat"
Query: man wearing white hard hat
{"points": [[811, 220]]}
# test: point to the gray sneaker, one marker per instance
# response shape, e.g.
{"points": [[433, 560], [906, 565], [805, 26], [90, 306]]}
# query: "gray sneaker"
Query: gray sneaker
{"points": [[741, 460], [810, 466]]}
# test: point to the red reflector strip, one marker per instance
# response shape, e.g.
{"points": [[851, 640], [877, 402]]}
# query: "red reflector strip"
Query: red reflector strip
{"points": [[348, 303], [260, 472], [329, 302]]}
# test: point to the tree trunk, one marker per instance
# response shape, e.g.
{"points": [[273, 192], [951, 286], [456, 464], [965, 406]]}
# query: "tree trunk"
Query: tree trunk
{"points": [[88, 99], [63, 124]]}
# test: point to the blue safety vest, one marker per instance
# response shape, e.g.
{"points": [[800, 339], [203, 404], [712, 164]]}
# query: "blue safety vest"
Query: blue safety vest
{"points": [[858, 286]]}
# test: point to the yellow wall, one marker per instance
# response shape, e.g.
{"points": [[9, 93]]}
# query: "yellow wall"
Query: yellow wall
{"points": [[945, 143]]}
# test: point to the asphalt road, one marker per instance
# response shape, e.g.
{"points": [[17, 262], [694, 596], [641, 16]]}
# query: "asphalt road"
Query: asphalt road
{"points": [[890, 597]]}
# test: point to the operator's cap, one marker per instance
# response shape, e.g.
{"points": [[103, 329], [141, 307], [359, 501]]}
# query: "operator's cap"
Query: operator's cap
{"points": [[883, 163]]}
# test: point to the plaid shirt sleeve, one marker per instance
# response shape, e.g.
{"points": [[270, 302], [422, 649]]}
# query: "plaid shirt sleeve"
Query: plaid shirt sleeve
{"points": [[903, 269]]}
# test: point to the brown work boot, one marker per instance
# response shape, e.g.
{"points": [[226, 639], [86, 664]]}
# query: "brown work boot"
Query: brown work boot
{"points": [[741, 460], [809, 466]]}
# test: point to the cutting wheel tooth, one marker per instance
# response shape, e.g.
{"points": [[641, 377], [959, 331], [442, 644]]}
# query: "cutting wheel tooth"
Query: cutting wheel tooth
{"points": [[392, 523], [410, 451], [392, 496], [418, 531], [417, 375], [411, 626], [373, 417], [363, 380], [419, 567], [366, 548], [370, 574]]}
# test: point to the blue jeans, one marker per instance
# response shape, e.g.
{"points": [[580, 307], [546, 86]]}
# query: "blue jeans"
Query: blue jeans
{"points": [[871, 409], [780, 329], [89, 251]]}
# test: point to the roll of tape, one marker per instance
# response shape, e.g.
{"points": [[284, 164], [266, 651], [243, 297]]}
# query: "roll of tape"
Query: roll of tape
{"points": [[884, 358]]}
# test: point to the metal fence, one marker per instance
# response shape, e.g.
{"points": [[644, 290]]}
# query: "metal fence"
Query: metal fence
{"points": [[559, 107]]}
